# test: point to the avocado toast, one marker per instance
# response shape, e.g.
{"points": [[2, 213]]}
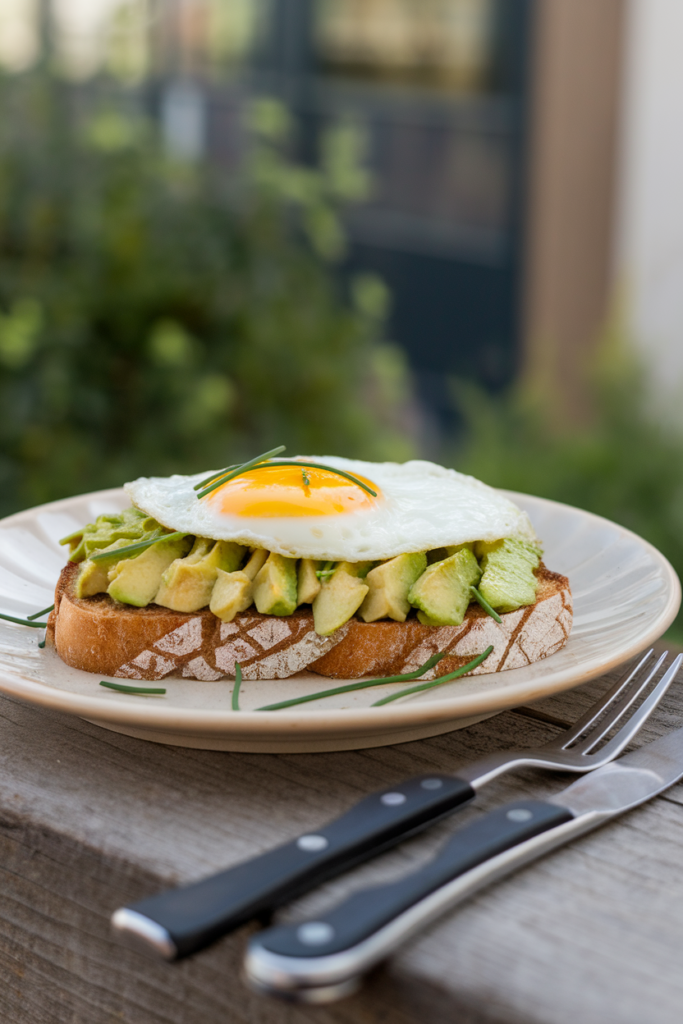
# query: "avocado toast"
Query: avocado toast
{"points": [[139, 600]]}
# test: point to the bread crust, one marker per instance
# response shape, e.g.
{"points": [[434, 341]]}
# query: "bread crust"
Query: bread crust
{"points": [[100, 635]]}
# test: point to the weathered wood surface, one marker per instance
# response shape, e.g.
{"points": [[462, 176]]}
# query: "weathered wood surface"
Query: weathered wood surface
{"points": [[90, 820]]}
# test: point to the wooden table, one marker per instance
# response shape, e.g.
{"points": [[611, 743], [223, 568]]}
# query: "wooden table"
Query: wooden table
{"points": [[90, 820]]}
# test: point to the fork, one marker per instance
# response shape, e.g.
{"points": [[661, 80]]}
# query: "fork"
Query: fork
{"points": [[177, 922]]}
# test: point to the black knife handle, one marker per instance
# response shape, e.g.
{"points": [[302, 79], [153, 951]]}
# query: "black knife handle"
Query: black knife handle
{"points": [[196, 915], [365, 912]]}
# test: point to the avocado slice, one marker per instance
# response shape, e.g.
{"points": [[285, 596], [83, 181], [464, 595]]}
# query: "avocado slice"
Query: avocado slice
{"points": [[275, 585], [508, 579], [136, 580], [438, 554], [442, 593], [255, 562], [93, 577], [389, 585], [233, 592], [188, 583], [308, 584], [341, 595]]}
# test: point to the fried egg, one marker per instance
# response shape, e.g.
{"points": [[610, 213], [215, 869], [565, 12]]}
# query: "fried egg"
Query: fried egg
{"points": [[314, 513]]}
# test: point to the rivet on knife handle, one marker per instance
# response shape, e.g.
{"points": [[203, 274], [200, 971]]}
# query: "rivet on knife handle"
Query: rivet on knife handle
{"points": [[178, 922]]}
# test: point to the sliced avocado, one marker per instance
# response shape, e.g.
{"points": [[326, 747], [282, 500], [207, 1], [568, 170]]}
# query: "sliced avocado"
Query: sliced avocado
{"points": [[136, 580], [438, 554], [341, 595], [308, 584], [389, 585], [232, 593], [185, 588], [255, 562], [453, 549], [508, 579], [275, 586], [442, 593], [199, 550], [187, 584], [93, 576], [226, 555]]}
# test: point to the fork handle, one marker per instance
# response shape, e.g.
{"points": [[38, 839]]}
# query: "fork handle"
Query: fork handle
{"points": [[181, 921]]}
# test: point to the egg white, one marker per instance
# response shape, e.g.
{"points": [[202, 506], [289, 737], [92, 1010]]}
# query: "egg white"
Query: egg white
{"points": [[422, 506]]}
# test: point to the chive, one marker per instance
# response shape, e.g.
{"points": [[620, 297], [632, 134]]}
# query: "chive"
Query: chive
{"points": [[45, 611], [24, 622], [307, 465], [304, 475], [138, 546], [326, 571], [76, 535], [236, 687], [437, 682], [329, 469], [233, 471], [132, 689], [357, 686], [203, 483], [42, 643], [485, 605]]}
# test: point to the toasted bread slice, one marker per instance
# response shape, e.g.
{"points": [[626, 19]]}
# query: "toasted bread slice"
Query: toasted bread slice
{"points": [[104, 636], [100, 635]]}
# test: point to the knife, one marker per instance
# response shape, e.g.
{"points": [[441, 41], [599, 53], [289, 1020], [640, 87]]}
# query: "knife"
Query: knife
{"points": [[180, 921], [324, 959]]}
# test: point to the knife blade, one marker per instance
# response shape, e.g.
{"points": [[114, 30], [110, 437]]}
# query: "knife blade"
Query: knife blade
{"points": [[324, 959]]}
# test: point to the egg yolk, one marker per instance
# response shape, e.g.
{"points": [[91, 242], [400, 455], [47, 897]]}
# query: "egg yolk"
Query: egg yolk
{"points": [[292, 491]]}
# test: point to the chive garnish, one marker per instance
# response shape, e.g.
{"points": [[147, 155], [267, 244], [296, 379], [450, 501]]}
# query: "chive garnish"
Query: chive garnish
{"points": [[132, 689], [307, 465], [236, 687], [436, 682], [76, 535], [45, 611], [208, 480], [138, 546], [326, 571], [362, 685], [329, 469], [228, 474], [304, 477], [239, 465], [485, 605], [24, 622]]}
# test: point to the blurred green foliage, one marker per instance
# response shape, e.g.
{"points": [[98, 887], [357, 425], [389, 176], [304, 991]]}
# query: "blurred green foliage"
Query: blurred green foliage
{"points": [[625, 464], [160, 317]]}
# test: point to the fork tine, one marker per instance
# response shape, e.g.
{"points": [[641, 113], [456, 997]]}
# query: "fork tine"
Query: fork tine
{"points": [[630, 728], [596, 710], [618, 709]]}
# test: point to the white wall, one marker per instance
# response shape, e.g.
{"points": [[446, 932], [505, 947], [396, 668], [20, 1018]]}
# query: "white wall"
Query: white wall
{"points": [[649, 243]]}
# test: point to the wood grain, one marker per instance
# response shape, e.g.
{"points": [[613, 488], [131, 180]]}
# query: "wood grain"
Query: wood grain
{"points": [[90, 820]]}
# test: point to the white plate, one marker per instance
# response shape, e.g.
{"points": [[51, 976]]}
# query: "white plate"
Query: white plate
{"points": [[625, 595]]}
